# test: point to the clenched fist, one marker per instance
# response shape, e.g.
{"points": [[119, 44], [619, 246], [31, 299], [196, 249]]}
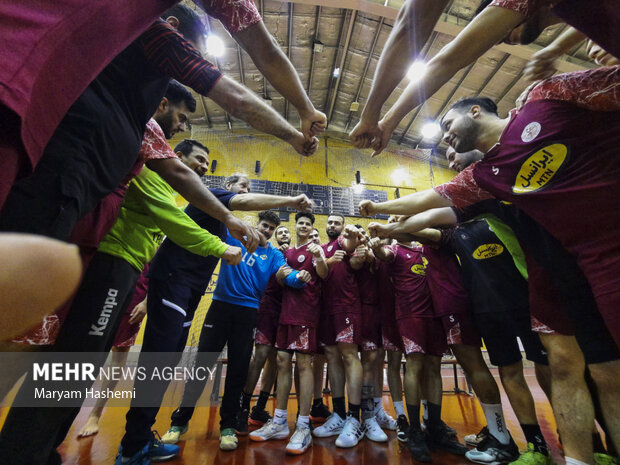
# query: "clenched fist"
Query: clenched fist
{"points": [[315, 250], [304, 276], [302, 203], [232, 255], [367, 208], [378, 230], [338, 256]]}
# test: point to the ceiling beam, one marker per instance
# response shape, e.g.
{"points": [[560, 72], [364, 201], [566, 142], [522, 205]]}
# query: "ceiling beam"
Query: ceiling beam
{"points": [[458, 85], [500, 63], [365, 71], [509, 87], [289, 39], [343, 57], [317, 23]]}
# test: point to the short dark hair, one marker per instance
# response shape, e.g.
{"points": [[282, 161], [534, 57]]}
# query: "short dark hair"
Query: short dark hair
{"points": [[186, 146], [269, 216], [358, 226], [315, 229], [482, 6], [337, 214], [190, 24], [308, 215], [177, 93], [233, 178], [466, 103]]}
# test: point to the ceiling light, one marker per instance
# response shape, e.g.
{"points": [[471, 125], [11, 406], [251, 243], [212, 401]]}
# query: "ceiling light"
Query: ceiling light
{"points": [[416, 71], [354, 106], [215, 46], [399, 175], [431, 130], [318, 46], [336, 72]]}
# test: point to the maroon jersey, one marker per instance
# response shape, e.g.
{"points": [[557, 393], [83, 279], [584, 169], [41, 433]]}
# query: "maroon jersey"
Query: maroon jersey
{"points": [[386, 293], [445, 282], [367, 284], [300, 307], [272, 298], [340, 291], [412, 295], [567, 178]]}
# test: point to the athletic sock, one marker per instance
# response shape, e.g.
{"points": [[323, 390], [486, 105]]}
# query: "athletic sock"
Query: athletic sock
{"points": [[340, 407], [245, 401], [303, 421], [279, 417], [534, 436], [496, 422], [367, 405], [425, 411], [414, 416], [317, 402], [378, 404], [433, 423], [354, 410], [597, 444], [263, 397], [399, 408], [571, 461]]}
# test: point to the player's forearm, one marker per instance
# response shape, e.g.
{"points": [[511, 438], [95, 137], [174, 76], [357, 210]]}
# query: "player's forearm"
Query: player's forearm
{"points": [[321, 269], [414, 24], [242, 103], [412, 203], [188, 184], [357, 262], [251, 202], [567, 40], [382, 254], [274, 65]]}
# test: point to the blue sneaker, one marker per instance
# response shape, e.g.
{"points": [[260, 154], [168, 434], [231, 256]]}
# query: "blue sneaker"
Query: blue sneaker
{"points": [[154, 451]]}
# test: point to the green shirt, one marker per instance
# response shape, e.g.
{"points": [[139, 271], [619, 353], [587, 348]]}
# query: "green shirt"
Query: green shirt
{"points": [[148, 213]]}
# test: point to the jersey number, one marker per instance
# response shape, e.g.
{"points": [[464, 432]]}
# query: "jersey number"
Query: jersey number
{"points": [[248, 259]]}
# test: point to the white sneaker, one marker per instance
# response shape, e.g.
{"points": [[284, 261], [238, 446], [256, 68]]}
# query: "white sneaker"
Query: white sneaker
{"points": [[300, 441], [373, 431], [385, 421], [173, 434], [332, 427], [270, 431], [351, 433]]}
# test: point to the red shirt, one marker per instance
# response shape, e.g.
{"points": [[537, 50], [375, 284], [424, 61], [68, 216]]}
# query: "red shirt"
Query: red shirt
{"points": [[301, 307], [340, 290], [368, 285], [445, 282], [557, 161], [387, 300], [272, 298], [51, 51], [412, 294]]}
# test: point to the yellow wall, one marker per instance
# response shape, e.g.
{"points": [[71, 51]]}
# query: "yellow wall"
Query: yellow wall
{"points": [[334, 164]]}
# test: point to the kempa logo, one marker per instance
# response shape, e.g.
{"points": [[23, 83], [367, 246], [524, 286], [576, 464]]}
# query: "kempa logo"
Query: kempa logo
{"points": [[488, 251], [540, 168], [104, 316]]}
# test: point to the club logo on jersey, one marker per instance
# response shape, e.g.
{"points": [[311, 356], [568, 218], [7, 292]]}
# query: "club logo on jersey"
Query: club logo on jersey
{"points": [[540, 168], [420, 268], [488, 251], [263, 257], [530, 132], [329, 249], [301, 258]]}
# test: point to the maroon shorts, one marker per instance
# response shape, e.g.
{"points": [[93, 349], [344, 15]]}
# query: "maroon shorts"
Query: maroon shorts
{"points": [[347, 328], [296, 338], [547, 307], [371, 327], [391, 338], [267, 328], [422, 335], [126, 334], [459, 329]]}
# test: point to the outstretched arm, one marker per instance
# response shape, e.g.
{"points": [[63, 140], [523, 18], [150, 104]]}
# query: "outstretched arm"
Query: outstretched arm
{"points": [[485, 30], [250, 202], [415, 224], [541, 65], [407, 205], [242, 103], [277, 68], [414, 24]]}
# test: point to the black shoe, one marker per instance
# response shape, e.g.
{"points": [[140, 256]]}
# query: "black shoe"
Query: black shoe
{"points": [[242, 422], [402, 428], [417, 446], [440, 440], [320, 413], [448, 429], [259, 417]]}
